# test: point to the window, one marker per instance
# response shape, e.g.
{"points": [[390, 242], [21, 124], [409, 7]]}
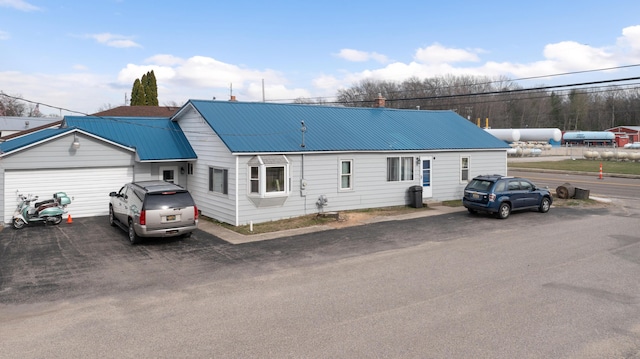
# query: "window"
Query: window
{"points": [[464, 169], [269, 175], [219, 180], [255, 180], [275, 179], [400, 168], [346, 174]]}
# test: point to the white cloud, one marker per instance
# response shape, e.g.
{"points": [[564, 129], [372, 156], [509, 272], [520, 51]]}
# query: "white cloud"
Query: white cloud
{"points": [[181, 79], [164, 59], [83, 92], [79, 67], [4, 35], [629, 42], [113, 40], [361, 56], [19, 5], [438, 54], [438, 60]]}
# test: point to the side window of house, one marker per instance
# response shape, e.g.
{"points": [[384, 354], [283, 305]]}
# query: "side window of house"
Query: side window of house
{"points": [[269, 176], [346, 174], [464, 169], [255, 179], [399, 169], [219, 180], [275, 179]]}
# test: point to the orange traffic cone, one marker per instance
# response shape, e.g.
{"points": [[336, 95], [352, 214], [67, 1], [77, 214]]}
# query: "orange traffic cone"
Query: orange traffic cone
{"points": [[69, 220], [600, 174]]}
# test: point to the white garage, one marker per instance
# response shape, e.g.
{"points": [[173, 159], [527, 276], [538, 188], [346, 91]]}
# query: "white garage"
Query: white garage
{"points": [[88, 188]]}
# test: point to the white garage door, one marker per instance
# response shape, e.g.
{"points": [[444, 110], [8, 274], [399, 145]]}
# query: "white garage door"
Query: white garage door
{"points": [[88, 188]]}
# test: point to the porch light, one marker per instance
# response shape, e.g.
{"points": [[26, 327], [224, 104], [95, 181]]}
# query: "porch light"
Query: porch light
{"points": [[76, 143]]}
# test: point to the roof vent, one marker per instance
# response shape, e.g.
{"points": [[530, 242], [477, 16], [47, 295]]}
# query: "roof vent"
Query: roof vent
{"points": [[379, 101]]}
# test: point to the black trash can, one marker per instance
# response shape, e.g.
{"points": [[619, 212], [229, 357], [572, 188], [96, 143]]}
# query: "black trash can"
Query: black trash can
{"points": [[415, 196]]}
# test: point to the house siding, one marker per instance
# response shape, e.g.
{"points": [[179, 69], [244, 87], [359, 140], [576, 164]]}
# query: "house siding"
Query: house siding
{"points": [[211, 153], [321, 171], [370, 186], [57, 154]]}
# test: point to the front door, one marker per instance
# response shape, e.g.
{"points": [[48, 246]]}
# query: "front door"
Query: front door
{"points": [[169, 174], [426, 176]]}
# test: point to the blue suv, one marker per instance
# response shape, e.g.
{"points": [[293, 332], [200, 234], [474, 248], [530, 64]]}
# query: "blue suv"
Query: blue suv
{"points": [[501, 194]]}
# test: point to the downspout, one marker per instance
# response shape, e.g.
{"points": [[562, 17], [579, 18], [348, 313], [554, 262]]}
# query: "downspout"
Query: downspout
{"points": [[237, 193]]}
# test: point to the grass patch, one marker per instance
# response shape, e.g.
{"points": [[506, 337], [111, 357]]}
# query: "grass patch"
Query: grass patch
{"points": [[312, 220], [453, 203], [621, 167]]}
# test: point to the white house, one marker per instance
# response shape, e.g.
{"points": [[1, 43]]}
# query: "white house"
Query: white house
{"points": [[259, 162], [254, 162]]}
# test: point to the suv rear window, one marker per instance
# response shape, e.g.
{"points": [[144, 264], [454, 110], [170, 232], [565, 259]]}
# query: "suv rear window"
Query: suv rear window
{"points": [[479, 185], [168, 200]]}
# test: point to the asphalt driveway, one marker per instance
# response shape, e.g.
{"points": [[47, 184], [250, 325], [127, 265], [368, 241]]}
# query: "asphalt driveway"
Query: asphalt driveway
{"points": [[90, 258]]}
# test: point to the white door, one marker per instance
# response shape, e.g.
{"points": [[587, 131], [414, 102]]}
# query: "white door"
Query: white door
{"points": [[426, 176], [169, 174], [88, 188]]}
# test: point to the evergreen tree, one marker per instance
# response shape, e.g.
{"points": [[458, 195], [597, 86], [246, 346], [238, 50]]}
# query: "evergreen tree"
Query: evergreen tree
{"points": [[137, 94], [145, 91], [151, 89]]}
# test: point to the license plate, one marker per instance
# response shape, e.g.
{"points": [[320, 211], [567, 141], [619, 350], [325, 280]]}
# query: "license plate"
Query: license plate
{"points": [[171, 217], [475, 196]]}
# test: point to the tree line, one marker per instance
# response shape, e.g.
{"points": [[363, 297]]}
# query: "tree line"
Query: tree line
{"points": [[503, 102]]}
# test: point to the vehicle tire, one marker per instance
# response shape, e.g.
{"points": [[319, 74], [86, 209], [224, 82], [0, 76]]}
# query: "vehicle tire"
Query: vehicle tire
{"points": [[504, 211], [18, 223], [111, 218], [186, 235], [57, 220], [545, 204], [472, 211], [133, 236]]}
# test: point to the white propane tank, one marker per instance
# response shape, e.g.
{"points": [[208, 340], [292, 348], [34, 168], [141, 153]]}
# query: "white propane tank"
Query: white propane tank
{"points": [[540, 134], [622, 155], [536, 152], [607, 155], [505, 134]]}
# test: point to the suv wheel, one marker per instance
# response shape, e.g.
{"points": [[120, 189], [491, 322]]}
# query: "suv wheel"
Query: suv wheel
{"points": [[133, 237], [545, 204], [472, 211], [504, 211]]}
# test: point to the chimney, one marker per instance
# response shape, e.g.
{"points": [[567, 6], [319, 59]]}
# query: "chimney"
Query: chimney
{"points": [[379, 101], [233, 98]]}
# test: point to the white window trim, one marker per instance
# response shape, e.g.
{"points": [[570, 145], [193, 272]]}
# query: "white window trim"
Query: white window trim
{"points": [[340, 175], [400, 164], [176, 173], [211, 171], [468, 169], [262, 179]]}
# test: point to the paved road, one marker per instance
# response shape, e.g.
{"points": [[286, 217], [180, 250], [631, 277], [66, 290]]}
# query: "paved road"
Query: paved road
{"points": [[557, 285], [615, 187]]}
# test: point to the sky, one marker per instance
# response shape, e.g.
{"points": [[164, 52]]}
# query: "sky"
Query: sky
{"points": [[84, 56]]}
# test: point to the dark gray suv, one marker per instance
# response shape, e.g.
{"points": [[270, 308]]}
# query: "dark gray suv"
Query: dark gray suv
{"points": [[501, 194], [153, 209]]}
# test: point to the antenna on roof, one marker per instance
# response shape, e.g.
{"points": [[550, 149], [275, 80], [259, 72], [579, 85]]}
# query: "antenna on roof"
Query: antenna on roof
{"points": [[303, 129]]}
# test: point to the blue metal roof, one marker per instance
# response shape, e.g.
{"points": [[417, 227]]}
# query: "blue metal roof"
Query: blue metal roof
{"points": [[265, 127], [30, 139], [155, 139]]}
